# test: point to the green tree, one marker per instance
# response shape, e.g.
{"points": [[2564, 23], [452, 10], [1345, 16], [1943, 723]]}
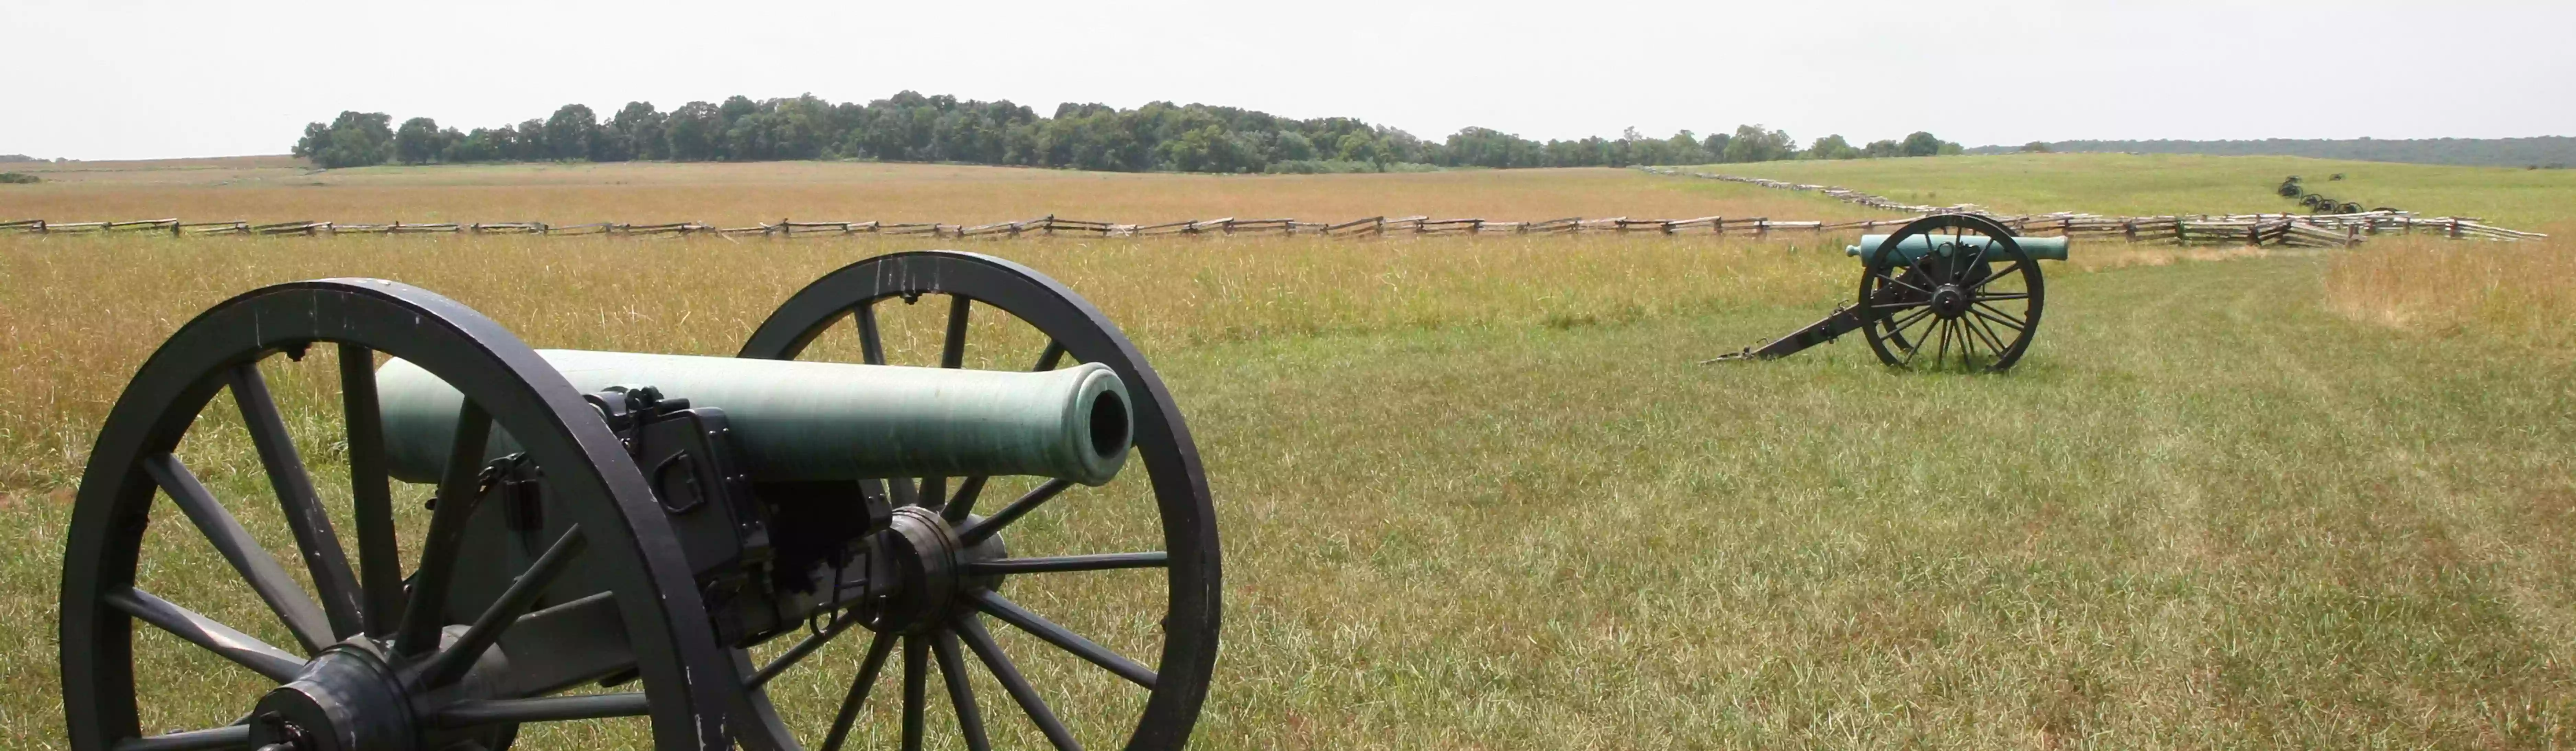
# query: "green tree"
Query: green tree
{"points": [[572, 133], [418, 142], [316, 136], [1754, 144], [1920, 143], [532, 146], [694, 133], [635, 133], [354, 139], [1832, 147]]}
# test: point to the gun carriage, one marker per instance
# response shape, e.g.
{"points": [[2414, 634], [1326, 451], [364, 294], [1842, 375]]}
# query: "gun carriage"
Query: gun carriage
{"points": [[620, 535], [1949, 291]]}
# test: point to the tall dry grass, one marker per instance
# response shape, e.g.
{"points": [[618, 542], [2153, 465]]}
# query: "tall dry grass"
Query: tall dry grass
{"points": [[79, 314], [2521, 292], [736, 194]]}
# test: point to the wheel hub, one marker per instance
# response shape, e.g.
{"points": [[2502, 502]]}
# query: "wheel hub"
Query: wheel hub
{"points": [[1950, 301], [346, 699], [931, 560]]}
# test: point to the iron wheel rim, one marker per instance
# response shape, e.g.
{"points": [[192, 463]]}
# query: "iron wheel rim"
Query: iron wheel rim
{"points": [[1994, 327], [525, 396], [1078, 332]]}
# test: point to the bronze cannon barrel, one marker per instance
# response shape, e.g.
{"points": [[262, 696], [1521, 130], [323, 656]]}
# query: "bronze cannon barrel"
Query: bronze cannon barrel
{"points": [[2038, 248], [794, 420]]}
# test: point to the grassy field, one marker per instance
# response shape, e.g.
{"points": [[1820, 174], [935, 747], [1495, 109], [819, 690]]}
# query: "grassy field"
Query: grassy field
{"points": [[264, 189], [1479, 493], [2152, 184]]}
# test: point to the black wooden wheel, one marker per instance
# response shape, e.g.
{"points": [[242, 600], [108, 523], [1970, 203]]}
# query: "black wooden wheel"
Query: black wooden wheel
{"points": [[606, 593], [1185, 620], [1965, 305]]}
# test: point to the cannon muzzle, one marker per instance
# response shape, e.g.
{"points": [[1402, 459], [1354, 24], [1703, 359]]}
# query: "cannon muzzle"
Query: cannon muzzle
{"points": [[2038, 248], [796, 420]]}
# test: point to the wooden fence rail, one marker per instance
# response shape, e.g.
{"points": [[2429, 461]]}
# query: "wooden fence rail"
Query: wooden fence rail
{"points": [[2255, 229]]}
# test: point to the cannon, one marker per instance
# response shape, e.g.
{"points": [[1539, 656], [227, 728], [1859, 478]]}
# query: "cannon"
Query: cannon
{"points": [[1960, 288], [692, 543]]}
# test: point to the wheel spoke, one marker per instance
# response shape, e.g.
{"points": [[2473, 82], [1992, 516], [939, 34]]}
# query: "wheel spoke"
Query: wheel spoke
{"points": [[1021, 692], [1990, 278], [904, 491], [227, 737], [1094, 562], [1992, 339], [567, 644], [323, 557], [858, 694], [916, 677], [208, 634], [521, 596], [466, 714], [1010, 612], [871, 343], [1047, 360], [440, 548], [379, 550], [963, 504], [799, 652], [952, 350], [961, 694], [1885, 275], [934, 492], [899, 491], [976, 532], [1896, 306], [2004, 296], [1898, 327], [1914, 343], [269, 580], [2000, 317]]}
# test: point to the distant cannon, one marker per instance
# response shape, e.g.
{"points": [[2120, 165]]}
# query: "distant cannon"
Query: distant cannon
{"points": [[612, 534], [1944, 291]]}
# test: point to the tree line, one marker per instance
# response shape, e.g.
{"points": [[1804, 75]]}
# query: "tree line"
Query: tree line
{"points": [[910, 127]]}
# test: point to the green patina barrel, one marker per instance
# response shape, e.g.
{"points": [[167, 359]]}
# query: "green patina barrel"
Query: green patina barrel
{"points": [[823, 421], [2049, 248]]}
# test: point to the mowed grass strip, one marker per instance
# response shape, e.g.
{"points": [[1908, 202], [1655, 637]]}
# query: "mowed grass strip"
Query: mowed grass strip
{"points": [[2155, 184], [1480, 494]]}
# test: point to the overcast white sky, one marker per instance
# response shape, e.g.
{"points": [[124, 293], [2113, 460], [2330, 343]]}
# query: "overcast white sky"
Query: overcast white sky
{"points": [[125, 80]]}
